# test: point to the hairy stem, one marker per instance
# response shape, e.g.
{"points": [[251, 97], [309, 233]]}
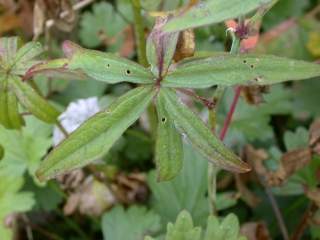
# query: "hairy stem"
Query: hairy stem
{"points": [[233, 106]]}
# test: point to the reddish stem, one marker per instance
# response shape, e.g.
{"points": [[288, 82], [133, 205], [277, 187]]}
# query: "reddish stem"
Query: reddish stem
{"points": [[233, 106]]}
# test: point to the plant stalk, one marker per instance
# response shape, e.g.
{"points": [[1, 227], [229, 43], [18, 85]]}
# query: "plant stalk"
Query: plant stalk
{"points": [[142, 59], [213, 169], [139, 32]]}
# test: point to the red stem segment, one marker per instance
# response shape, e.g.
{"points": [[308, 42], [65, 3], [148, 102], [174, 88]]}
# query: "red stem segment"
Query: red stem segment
{"points": [[233, 106]]}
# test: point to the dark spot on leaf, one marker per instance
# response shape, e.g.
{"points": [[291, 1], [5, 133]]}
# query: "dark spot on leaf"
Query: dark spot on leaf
{"points": [[251, 66], [1, 152], [128, 72], [244, 61], [108, 65], [163, 119], [258, 79]]}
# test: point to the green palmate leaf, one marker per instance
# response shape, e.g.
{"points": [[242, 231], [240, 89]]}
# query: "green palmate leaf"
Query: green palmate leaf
{"points": [[132, 224], [183, 192], [227, 229], [32, 101], [212, 11], [240, 69], [96, 65], [96, 136], [169, 152], [183, 229], [32, 141], [12, 201], [94, 30], [9, 113], [200, 136]]}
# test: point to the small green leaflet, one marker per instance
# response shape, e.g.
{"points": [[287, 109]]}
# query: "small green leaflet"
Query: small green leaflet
{"points": [[32, 101], [161, 47], [9, 112], [8, 49], [212, 11], [99, 66], [228, 228], [24, 58], [95, 137], [169, 151], [200, 136], [183, 228], [243, 69], [130, 224]]}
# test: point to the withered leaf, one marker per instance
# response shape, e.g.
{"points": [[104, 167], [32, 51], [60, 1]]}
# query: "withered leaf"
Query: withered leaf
{"points": [[314, 136], [130, 188], [255, 231], [92, 198], [290, 163], [314, 195], [254, 94], [185, 45], [294, 160]]}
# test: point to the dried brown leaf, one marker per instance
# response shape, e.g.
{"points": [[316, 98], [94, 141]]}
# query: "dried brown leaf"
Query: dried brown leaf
{"points": [[255, 231], [314, 195], [91, 198], [314, 136], [38, 18], [290, 163], [130, 188], [254, 94], [9, 22], [72, 180], [294, 160], [60, 12], [185, 45], [127, 47], [256, 158], [72, 204]]}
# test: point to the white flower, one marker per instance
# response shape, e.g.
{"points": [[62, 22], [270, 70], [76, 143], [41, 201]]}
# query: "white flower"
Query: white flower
{"points": [[76, 113]]}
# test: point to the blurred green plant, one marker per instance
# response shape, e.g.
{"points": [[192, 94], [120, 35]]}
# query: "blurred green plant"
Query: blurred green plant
{"points": [[183, 229]]}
